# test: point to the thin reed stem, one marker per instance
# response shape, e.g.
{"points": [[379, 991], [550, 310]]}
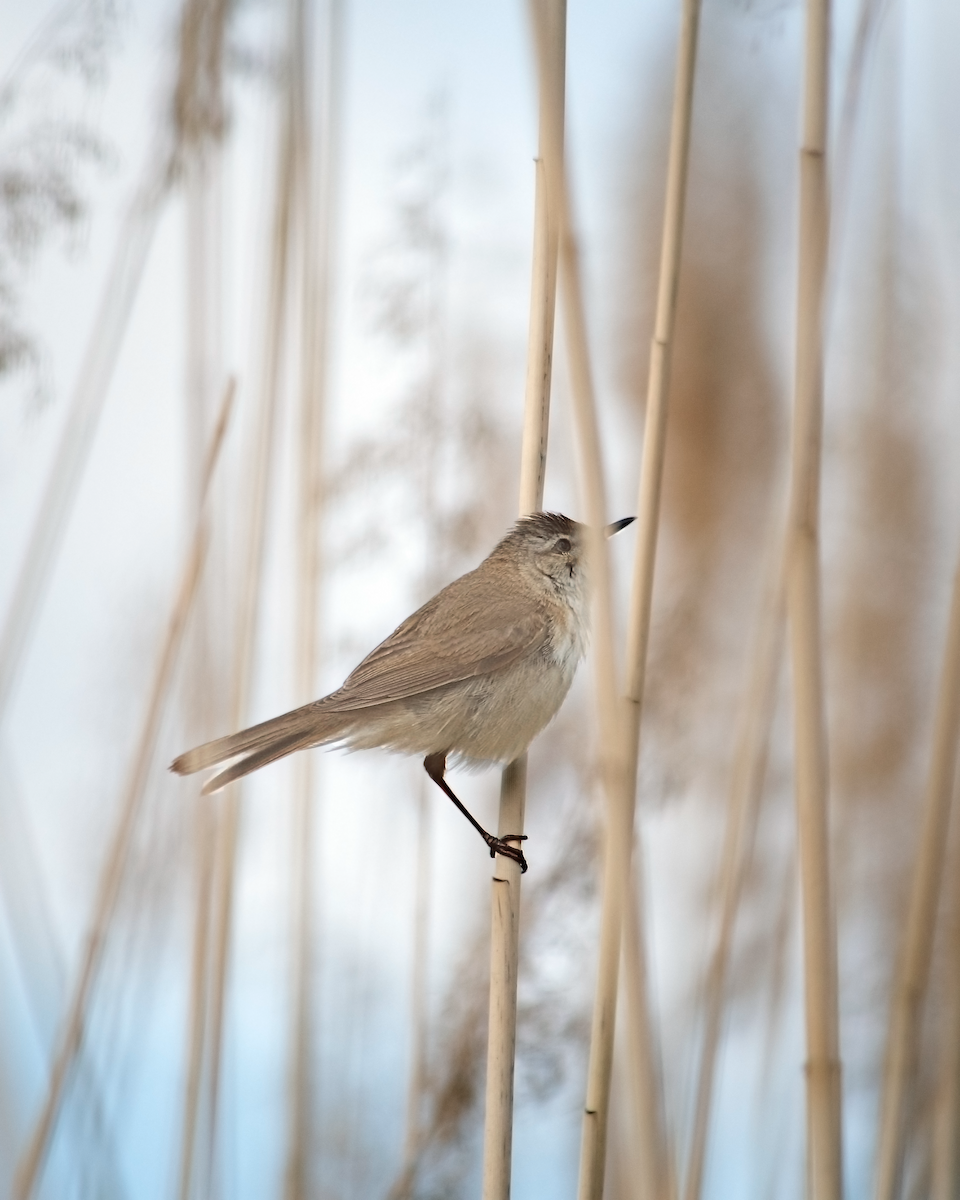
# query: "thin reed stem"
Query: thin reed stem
{"points": [[504, 960], [824, 1146], [199, 996], [418, 992], [652, 1156], [203, 186], [39, 960], [505, 894], [945, 1167], [619, 832], [315, 163], [257, 480], [746, 788], [28, 1171], [913, 972], [626, 723]]}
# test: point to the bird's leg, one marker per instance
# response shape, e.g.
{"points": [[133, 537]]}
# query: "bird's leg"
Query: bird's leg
{"points": [[435, 765]]}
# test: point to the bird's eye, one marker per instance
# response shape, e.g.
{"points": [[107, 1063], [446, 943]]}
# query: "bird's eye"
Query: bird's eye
{"points": [[562, 546]]}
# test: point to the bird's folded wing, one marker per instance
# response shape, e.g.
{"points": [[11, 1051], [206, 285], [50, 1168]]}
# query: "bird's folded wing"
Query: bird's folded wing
{"points": [[417, 658]]}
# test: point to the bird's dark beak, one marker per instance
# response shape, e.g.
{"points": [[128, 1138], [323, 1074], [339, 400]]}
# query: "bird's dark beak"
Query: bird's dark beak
{"points": [[616, 526]]}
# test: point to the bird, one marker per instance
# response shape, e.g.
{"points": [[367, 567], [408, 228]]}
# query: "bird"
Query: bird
{"points": [[472, 676]]}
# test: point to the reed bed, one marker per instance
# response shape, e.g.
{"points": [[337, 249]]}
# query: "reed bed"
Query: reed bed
{"points": [[494, 1031]]}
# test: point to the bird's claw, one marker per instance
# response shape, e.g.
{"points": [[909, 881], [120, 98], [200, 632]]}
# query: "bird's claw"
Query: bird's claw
{"points": [[502, 846]]}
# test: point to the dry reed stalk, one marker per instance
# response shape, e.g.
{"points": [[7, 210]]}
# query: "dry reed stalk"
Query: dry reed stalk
{"points": [[824, 1147], [111, 878], [505, 894], [593, 1155], [504, 960], [619, 832], [655, 1173], [913, 970], [623, 724], [204, 197], [316, 164], [945, 1167], [258, 481], [416, 1086], [746, 788], [40, 963], [618, 837], [199, 995]]}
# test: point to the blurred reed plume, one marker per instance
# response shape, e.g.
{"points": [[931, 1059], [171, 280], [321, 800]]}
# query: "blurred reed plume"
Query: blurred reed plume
{"points": [[46, 153]]}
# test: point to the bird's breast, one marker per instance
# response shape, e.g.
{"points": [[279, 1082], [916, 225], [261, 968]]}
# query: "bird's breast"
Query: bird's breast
{"points": [[568, 643]]}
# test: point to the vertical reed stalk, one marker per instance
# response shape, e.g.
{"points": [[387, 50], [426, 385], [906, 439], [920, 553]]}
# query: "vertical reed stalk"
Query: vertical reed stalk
{"points": [[746, 788], [824, 1149], [619, 832], [505, 895], [258, 480], [199, 997], [504, 958], [28, 1171], [316, 164], [626, 725], [418, 994], [203, 185], [945, 1168], [652, 1155], [913, 972]]}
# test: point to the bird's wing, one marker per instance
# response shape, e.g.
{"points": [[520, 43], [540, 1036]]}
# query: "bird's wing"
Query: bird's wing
{"points": [[424, 654]]}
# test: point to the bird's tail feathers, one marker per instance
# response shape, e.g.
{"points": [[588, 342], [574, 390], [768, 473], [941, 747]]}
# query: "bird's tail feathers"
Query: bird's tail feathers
{"points": [[263, 743]]}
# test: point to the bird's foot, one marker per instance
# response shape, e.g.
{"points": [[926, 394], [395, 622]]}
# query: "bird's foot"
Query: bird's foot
{"points": [[502, 846]]}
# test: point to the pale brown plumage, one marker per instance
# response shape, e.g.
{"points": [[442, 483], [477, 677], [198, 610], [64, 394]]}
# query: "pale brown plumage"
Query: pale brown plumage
{"points": [[476, 672]]}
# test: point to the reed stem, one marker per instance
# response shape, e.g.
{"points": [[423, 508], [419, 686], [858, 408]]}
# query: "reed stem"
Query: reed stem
{"points": [[746, 789], [913, 972], [620, 825], [505, 894], [945, 1167], [824, 1142], [257, 481], [315, 165]]}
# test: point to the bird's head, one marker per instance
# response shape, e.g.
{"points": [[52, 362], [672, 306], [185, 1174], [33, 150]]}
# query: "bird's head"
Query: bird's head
{"points": [[552, 546]]}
